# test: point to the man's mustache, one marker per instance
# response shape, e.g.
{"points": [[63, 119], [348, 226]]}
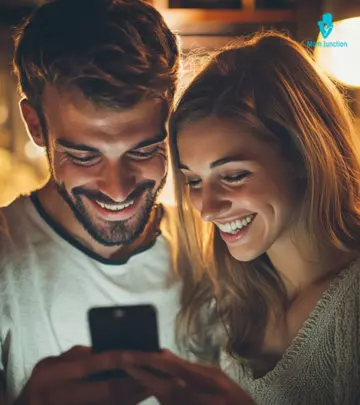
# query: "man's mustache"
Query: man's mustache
{"points": [[99, 196]]}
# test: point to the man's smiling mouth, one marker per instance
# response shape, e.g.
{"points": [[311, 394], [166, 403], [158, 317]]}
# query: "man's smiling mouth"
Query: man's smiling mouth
{"points": [[114, 207]]}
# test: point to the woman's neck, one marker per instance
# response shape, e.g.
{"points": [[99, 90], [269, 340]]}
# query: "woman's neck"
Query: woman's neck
{"points": [[301, 263]]}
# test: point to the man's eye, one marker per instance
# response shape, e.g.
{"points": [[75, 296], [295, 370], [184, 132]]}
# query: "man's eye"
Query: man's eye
{"points": [[144, 154], [83, 160]]}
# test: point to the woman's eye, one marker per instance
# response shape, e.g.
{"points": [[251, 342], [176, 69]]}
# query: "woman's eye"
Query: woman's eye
{"points": [[83, 160], [144, 154], [235, 178], [194, 183]]}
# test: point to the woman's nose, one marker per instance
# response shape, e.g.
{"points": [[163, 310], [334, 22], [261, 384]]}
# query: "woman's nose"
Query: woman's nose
{"points": [[213, 204]]}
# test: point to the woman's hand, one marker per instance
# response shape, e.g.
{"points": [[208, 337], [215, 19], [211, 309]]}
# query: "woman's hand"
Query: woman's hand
{"points": [[174, 381]]}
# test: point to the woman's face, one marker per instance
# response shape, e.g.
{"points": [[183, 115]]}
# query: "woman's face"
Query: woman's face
{"points": [[240, 183]]}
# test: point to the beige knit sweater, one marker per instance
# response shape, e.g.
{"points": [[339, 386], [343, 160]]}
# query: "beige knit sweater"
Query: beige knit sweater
{"points": [[322, 365]]}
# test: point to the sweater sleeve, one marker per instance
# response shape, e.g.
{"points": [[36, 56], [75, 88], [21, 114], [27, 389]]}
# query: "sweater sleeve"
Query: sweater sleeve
{"points": [[347, 344]]}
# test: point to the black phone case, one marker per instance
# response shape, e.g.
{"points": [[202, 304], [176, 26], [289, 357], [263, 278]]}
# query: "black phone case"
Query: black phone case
{"points": [[131, 327]]}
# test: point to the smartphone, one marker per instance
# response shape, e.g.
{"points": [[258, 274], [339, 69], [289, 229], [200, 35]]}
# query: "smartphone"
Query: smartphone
{"points": [[129, 327]]}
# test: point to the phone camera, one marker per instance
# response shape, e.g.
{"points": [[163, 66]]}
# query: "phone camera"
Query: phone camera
{"points": [[119, 313]]}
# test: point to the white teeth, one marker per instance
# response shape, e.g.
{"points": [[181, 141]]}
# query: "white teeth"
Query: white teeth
{"points": [[235, 226], [115, 207]]}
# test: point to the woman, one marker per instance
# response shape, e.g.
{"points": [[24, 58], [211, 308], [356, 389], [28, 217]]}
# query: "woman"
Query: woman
{"points": [[264, 149]]}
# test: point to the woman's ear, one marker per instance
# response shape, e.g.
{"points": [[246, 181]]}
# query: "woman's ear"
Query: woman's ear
{"points": [[32, 122]]}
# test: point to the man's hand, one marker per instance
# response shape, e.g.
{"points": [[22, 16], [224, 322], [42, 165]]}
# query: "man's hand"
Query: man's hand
{"points": [[62, 380], [174, 381]]}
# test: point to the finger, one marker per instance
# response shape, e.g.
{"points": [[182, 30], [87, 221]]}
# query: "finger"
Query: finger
{"points": [[204, 368], [128, 391], [209, 399], [174, 391], [164, 361], [77, 363], [103, 392], [51, 371], [209, 378], [111, 360], [167, 390], [76, 352]]}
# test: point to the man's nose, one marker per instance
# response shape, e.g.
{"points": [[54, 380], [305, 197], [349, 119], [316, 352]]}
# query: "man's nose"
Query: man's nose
{"points": [[214, 204], [117, 181]]}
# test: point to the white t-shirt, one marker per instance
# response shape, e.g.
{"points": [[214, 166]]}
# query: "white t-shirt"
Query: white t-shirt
{"points": [[48, 283]]}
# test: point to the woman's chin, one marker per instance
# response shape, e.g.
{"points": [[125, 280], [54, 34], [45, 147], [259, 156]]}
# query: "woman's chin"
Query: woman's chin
{"points": [[243, 254]]}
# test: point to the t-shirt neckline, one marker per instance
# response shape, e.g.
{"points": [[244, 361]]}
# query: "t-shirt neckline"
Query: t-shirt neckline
{"points": [[67, 237]]}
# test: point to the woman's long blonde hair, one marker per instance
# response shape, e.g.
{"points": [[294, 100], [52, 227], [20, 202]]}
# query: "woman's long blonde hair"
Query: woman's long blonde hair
{"points": [[271, 84]]}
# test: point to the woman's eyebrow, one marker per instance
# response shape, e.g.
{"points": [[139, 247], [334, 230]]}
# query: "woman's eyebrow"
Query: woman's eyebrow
{"points": [[219, 162]]}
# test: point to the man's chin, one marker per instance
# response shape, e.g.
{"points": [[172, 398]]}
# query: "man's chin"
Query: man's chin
{"points": [[111, 232]]}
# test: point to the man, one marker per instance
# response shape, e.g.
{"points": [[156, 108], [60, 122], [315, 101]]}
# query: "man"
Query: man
{"points": [[98, 78]]}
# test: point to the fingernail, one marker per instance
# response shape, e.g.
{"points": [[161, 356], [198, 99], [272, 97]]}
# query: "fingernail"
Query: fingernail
{"points": [[126, 357]]}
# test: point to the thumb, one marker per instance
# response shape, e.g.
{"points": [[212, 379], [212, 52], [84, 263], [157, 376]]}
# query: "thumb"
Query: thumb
{"points": [[76, 352]]}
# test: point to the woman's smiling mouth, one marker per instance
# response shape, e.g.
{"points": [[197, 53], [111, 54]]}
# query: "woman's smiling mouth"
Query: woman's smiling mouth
{"points": [[234, 230]]}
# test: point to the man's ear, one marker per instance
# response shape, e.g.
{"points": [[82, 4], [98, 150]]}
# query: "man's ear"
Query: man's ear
{"points": [[32, 122]]}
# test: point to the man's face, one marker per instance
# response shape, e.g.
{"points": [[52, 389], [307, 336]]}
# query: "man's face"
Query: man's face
{"points": [[108, 164]]}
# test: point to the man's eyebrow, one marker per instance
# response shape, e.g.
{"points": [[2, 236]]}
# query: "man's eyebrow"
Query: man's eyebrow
{"points": [[86, 148], [151, 141], [217, 163], [76, 146]]}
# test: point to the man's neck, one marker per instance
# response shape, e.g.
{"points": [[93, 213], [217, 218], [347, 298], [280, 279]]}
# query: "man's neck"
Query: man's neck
{"points": [[60, 212]]}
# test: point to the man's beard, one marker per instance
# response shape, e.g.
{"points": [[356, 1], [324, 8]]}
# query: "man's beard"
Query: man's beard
{"points": [[113, 233]]}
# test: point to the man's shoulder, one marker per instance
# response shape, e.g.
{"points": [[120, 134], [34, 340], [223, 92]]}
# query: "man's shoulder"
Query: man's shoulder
{"points": [[15, 226], [15, 206], [14, 214]]}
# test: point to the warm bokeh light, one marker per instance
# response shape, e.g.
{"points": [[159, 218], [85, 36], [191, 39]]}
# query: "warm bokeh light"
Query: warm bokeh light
{"points": [[33, 152], [342, 63], [17, 177], [4, 113]]}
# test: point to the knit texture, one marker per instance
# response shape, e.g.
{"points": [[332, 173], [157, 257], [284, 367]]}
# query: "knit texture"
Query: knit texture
{"points": [[322, 364]]}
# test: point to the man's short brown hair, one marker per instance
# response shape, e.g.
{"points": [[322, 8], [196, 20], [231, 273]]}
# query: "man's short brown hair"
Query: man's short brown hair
{"points": [[117, 52]]}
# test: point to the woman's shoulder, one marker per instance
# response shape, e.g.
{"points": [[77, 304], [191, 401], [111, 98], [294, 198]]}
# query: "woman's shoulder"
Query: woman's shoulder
{"points": [[344, 291], [346, 336], [349, 279], [346, 315]]}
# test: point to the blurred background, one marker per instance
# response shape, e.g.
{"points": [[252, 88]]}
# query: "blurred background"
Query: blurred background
{"points": [[203, 25]]}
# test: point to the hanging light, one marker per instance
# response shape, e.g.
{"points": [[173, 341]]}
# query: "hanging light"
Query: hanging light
{"points": [[337, 49], [339, 54]]}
